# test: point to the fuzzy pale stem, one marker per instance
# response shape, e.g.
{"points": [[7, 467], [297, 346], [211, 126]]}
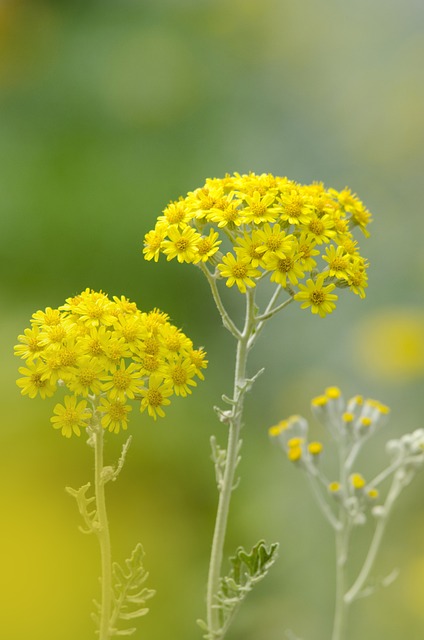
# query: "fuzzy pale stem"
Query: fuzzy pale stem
{"points": [[394, 492], [342, 550], [235, 423], [103, 536], [341, 606]]}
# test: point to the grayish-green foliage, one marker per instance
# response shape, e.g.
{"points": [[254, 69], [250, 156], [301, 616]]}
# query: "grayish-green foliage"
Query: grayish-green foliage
{"points": [[246, 570], [129, 593]]}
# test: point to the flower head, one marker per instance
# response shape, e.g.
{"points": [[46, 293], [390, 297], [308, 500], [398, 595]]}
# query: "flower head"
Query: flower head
{"points": [[70, 416], [105, 353], [317, 296], [242, 227]]}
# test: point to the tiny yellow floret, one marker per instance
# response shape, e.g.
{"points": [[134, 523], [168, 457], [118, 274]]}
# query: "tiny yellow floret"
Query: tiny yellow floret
{"points": [[375, 404], [315, 448], [333, 393], [372, 493], [334, 487], [278, 428], [319, 401], [357, 481], [295, 442], [294, 453]]}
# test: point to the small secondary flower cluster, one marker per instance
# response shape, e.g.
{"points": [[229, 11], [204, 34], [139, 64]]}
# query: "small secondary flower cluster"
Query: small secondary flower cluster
{"points": [[107, 352], [350, 425], [273, 226]]}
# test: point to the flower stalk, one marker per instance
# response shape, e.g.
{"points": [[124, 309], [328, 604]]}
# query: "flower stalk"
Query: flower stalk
{"points": [[103, 535], [349, 501], [242, 229], [232, 457]]}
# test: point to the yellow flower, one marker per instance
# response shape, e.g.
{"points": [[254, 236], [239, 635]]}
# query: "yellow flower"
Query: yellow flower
{"points": [[31, 345], [357, 278], [283, 269], [115, 414], [181, 244], [92, 308], [238, 271], [47, 318], [275, 241], [180, 374], [247, 248], [35, 381], [116, 349], [357, 481], [198, 358], [153, 242], [173, 340], [85, 377], [207, 246], [261, 208], [230, 215], [321, 229], [71, 416], [54, 336], [175, 213], [306, 251], [154, 320], [339, 263], [156, 396], [295, 208], [95, 342], [124, 382], [315, 448], [131, 328], [317, 296]]}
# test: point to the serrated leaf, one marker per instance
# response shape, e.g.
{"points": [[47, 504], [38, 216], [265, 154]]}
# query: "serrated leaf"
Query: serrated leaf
{"points": [[246, 570], [124, 632], [129, 592], [133, 614], [83, 502]]}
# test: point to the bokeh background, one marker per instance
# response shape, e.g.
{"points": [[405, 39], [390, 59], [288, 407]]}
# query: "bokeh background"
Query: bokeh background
{"points": [[108, 110]]}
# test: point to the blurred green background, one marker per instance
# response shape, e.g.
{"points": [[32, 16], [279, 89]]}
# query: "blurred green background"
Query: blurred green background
{"points": [[108, 110]]}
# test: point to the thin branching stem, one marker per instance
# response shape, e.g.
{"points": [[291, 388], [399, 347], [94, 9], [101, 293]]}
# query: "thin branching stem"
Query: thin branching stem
{"points": [[227, 321], [323, 505], [355, 590]]}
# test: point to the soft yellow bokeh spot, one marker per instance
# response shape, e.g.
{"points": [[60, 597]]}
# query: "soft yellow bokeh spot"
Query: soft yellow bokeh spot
{"points": [[414, 586], [390, 344]]}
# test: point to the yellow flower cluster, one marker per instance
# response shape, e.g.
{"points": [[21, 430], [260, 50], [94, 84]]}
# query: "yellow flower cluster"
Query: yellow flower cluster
{"points": [[299, 235], [105, 352]]}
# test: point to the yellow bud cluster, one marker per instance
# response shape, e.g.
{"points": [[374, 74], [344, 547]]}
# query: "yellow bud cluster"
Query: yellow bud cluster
{"points": [[105, 352]]}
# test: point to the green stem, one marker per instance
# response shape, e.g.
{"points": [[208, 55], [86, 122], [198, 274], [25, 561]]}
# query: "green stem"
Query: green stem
{"points": [[103, 536], [235, 423]]}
